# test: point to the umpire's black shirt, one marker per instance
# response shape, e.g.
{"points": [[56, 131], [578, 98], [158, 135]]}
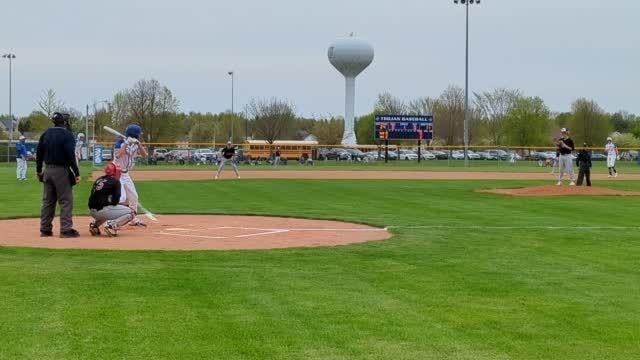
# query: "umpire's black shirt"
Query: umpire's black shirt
{"points": [[57, 147]]}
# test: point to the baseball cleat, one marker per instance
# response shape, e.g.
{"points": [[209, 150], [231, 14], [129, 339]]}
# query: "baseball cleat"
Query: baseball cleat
{"points": [[110, 230], [216, 178], [559, 183], [71, 233], [46, 233], [615, 175], [609, 176], [137, 222], [572, 184], [94, 230]]}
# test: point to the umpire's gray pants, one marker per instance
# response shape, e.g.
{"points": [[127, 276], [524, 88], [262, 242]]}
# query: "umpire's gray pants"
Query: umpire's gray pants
{"points": [[57, 189], [117, 215], [565, 165], [224, 161]]}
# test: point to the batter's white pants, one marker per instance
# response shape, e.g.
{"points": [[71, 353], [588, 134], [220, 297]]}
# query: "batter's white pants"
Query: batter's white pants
{"points": [[611, 161], [128, 193], [224, 161], [21, 170], [565, 165]]}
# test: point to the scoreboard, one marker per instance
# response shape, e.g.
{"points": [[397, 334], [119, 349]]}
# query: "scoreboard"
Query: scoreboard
{"points": [[403, 127]]}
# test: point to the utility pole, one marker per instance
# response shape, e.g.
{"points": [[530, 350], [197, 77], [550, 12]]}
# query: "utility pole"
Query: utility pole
{"points": [[10, 57]]}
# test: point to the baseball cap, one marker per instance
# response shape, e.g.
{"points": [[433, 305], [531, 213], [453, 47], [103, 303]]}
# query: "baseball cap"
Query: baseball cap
{"points": [[609, 138], [563, 130], [21, 137]]}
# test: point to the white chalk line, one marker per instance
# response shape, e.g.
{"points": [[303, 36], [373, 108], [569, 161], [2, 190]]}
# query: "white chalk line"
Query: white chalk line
{"points": [[492, 227], [186, 232]]}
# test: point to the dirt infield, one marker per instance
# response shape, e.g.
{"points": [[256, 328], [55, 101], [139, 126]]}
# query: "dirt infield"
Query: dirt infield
{"points": [[553, 190], [155, 175], [199, 232]]}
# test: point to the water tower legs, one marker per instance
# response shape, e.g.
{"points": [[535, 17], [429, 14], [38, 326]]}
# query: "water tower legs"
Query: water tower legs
{"points": [[349, 137]]}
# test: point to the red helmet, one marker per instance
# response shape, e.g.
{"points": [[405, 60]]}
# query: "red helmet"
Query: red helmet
{"points": [[112, 170]]}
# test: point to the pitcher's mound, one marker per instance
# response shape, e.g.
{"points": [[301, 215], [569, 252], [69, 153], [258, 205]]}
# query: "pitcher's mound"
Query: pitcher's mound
{"points": [[554, 190], [198, 232]]}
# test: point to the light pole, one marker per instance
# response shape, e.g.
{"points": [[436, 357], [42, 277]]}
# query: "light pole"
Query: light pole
{"points": [[10, 57], [466, 4], [232, 113]]}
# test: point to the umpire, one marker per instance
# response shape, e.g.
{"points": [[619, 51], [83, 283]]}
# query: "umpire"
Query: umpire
{"points": [[56, 149]]}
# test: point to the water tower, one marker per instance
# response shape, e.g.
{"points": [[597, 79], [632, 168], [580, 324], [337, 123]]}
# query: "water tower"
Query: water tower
{"points": [[350, 56]]}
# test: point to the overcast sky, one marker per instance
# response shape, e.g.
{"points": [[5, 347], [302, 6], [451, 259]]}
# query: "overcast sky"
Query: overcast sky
{"points": [[87, 50]]}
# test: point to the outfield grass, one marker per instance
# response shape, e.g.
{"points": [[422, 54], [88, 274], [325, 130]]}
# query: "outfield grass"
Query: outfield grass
{"points": [[466, 276]]}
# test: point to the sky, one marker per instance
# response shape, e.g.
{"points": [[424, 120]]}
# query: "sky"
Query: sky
{"points": [[88, 50]]}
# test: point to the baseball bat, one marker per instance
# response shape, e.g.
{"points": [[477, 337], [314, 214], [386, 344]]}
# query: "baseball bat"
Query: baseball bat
{"points": [[146, 212], [113, 131]]}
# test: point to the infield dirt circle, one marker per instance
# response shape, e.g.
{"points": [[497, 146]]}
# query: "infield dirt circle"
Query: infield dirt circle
{"points": [[198, 232]]}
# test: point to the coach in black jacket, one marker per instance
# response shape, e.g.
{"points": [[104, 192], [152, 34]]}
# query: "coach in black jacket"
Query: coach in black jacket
{"points": [[583, 161]]}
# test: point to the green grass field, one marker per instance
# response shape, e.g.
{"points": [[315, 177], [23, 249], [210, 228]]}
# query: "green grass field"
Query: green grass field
{"points": [[466, 276]]}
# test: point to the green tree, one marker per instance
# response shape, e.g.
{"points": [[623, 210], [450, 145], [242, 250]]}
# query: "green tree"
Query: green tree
{"points": [[589, 123], [364, 129], [563, 120], [329, 132], [36, 122], [623, 121], [492, 108], [528, 123]]}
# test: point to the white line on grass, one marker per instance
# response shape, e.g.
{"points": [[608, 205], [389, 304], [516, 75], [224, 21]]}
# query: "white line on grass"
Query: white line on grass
{"points": [[492, 227]]}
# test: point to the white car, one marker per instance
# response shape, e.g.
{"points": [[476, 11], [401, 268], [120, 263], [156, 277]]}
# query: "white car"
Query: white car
{"points": [[407, 155], [457, 155], [426, 155], [472, 156]]}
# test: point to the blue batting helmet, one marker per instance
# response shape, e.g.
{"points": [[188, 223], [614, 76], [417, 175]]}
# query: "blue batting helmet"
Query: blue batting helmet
{"points": [[133, 131]]}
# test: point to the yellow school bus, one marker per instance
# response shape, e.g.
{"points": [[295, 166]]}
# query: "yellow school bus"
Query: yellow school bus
{"points": [[261, 149]]}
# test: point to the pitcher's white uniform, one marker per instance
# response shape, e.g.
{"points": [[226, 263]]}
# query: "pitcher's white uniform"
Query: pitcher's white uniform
{"points": [[126, 162]]}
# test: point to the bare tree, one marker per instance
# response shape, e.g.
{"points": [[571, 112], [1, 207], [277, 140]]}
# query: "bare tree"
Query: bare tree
{"points": [[49, 104], [271, 118], [329, 132], [388, 104], [421, 106], [492, 108], [118, 107], [448, 114], [151, 105]]}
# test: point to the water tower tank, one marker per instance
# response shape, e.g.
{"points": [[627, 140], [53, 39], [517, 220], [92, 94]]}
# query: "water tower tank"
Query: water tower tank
{"points": [[350, 56]]}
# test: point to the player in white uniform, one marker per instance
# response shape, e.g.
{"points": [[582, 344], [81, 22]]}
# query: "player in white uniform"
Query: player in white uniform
{"points": [[126, 152], [612, 155]]}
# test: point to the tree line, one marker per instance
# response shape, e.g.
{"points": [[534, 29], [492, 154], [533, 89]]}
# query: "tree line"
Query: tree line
{"points": [[499, 117]]}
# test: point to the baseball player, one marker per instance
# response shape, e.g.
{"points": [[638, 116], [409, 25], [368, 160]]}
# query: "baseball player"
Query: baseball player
{"points": [[227, 155], [126, 151], [565, 162], [612, 155], [21, 159], [104, 204]]}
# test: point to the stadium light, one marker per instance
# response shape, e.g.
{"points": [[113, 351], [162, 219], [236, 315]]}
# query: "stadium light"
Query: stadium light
{"points": [[466, 4], [231, 73], [10, 57]]}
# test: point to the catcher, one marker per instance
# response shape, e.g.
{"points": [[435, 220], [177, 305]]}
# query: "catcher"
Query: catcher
{"points": [[104, 204]]}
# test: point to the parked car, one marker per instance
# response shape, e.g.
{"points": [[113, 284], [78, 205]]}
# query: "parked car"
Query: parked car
{"points": [[207, 154], [337, 154], [457, 155], [179, 155], [107, 154], [598, 157], [440, 155], [159, 153], [486, 155], [408, 155], [472, 155], [355, 153], [427, 155]]}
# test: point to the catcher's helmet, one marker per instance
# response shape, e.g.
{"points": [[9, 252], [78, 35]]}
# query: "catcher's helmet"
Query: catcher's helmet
{"points": [[133, 131], [112, 170]]}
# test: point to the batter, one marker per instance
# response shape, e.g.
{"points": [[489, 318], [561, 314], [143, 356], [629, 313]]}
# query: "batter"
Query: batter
{"points": [[126, 152]]}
